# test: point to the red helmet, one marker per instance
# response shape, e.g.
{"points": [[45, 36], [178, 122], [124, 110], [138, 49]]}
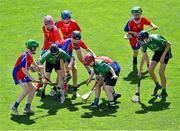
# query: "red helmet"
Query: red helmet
{"points": [[48, 20], [87, 59]]}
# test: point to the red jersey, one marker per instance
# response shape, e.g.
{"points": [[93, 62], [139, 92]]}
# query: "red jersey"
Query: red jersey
{"points": [[67, 29], [71, 46], [105, 59], [136, 27], [24, 61], [50, 37]]}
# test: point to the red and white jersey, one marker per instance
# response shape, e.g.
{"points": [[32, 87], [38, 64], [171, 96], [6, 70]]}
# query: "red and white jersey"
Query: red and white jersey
{"points": [[24, 61], [134, 26]]}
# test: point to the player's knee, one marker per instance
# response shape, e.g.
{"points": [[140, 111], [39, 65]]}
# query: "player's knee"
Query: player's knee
{"points": [[32, 88], [74, 68], [151, 70], [33, 69], [161, 72]]}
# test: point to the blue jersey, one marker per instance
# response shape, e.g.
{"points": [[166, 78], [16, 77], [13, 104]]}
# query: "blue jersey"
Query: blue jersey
{"points": [[67, 47]]}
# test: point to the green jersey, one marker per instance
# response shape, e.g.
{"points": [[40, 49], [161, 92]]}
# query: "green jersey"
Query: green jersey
{"points": [[47, 56], [101, 68], [156, 43]]}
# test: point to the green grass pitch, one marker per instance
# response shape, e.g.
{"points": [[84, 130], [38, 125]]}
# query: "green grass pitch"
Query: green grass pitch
{"points": [[102, 23]]}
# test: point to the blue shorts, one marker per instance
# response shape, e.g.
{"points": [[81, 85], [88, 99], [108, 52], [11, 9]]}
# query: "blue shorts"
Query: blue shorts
{"points": [[77, 48], [136, 47], [116, 67], [23, 80]]}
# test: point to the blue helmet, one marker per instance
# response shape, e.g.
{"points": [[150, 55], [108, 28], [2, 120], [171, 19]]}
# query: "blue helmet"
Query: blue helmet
{"points": [[65, 14]]}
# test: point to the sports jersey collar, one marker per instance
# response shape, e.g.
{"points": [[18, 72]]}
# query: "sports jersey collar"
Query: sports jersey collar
{"points": [[28, 52], [136, 21], [67, 24]]}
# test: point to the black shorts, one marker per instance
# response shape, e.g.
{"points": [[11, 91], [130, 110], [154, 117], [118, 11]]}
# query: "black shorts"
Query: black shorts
{"points": [[49, 66], [109, 81], [157, 56]]}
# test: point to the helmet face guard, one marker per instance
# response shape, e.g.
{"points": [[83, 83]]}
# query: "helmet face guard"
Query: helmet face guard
{"points": [[142, 35], [55, 54], [76, 35], [54, 50]]}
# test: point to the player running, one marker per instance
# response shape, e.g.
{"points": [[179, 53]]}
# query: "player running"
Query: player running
{"points": [[23, 78], [133, 27], [162, 54], [54, 59], [67, 25], [107, 72]]}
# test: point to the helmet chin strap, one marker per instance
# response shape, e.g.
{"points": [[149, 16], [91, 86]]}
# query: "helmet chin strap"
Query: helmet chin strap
{"points": [[33, 50]]}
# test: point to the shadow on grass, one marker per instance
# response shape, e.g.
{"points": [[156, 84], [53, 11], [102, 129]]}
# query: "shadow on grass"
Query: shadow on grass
{"points": [[22, 119], [156, 106], [49, 103], [132, 76], [101, 111], [53, 105], [70, 90]]}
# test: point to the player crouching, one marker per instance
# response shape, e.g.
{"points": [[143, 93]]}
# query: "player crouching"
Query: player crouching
{"points": [[107, 72], [162, 53]]}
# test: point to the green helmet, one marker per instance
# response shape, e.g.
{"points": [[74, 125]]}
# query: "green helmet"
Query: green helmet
{"points": [[136, 9], [31, 44]]}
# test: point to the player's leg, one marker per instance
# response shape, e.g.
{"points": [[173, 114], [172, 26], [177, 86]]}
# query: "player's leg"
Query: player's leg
{"points": [[135, 46], [48, 68], [62, 72], [109, 94], [74, 74], [67, 75], [163, 77], [109, 88], [43, 88], [20, 98], [135, 54], [31, 92], [155, 59], [60, 85], [117, 70], [97, 93], [147, 60]]}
